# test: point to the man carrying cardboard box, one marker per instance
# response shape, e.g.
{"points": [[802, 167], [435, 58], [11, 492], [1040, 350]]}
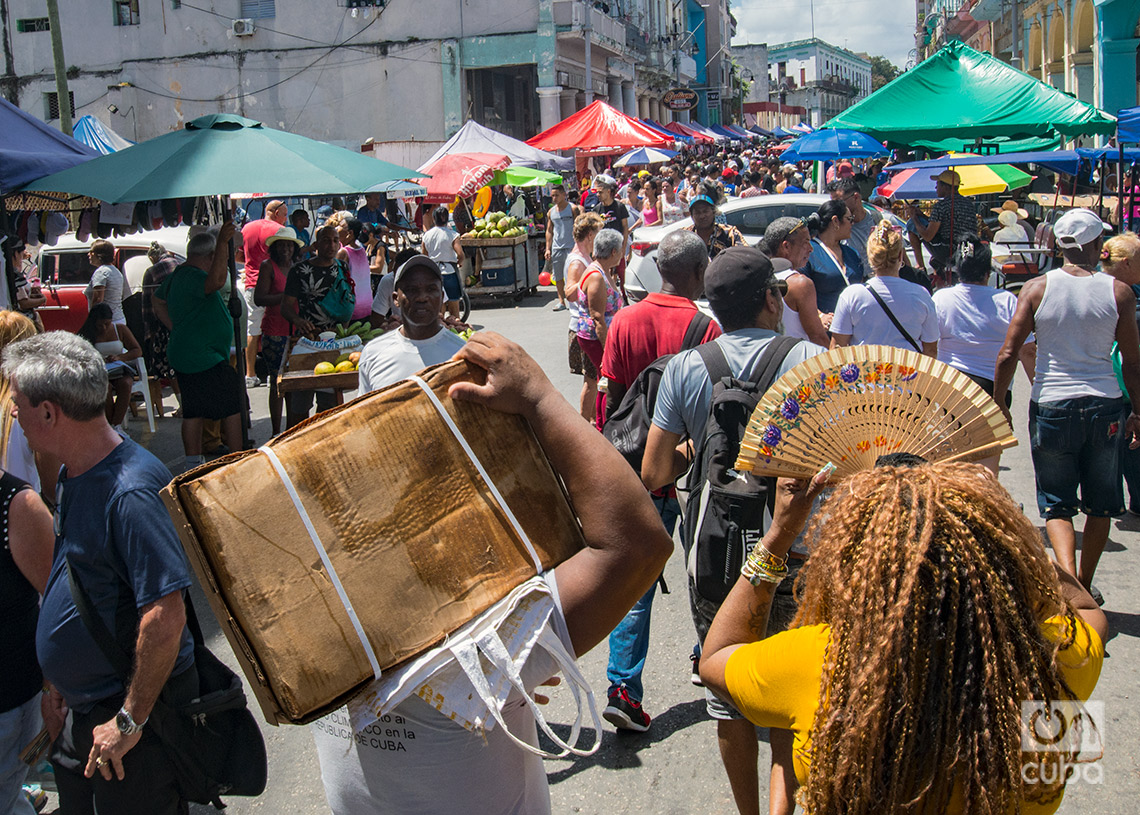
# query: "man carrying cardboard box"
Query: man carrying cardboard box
{"points": [[416, 759]]}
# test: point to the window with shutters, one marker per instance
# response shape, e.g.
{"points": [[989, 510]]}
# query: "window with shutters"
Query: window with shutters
{"points": [[33, 24], [52, 105], [126, 12], [257, 9]]}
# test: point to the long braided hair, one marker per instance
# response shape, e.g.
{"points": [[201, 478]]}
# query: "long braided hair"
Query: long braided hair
{"points": [[934, 585]]}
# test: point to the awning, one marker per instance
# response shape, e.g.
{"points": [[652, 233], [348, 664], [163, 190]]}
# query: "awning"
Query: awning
{"points": [[598, 125]]}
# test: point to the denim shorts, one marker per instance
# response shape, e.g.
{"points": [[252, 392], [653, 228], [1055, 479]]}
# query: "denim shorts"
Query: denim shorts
{"points": [[1076, 442]]}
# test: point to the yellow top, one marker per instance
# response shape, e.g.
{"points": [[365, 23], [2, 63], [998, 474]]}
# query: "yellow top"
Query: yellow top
{"points": [[775, 682]]}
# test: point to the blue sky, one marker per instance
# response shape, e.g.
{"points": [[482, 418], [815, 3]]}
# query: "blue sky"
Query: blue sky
{"points": [[879, 27]]}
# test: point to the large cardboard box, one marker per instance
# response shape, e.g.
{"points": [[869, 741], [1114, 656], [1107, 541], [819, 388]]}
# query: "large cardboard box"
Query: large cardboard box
{"points": [[414, 534]]}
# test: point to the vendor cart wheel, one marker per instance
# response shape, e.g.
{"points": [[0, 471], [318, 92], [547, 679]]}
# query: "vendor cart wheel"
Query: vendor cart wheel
{"points": [[465, 307]]}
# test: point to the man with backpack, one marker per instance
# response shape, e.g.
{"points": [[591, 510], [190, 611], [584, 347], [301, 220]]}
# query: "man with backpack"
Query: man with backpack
{"points": [[704, 401], [640, 335]]}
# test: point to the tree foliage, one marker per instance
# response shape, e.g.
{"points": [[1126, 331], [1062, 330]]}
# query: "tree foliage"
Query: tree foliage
{"points": [[882, 72]]}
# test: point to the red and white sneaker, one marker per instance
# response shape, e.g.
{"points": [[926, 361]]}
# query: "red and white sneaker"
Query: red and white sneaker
{"points": [[624, 713]]}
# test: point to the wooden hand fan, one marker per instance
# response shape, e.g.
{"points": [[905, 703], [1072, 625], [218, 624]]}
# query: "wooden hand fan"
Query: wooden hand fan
{"points": [[852, 405]]}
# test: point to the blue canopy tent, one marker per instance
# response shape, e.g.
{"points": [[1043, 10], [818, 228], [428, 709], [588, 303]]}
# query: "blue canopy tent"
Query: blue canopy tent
{"points": [[681, 137], [724, 131], [1062, 161], [782, 133], [829, 145], [31, 149], [744, 134], [759, 131], [98, 136]]}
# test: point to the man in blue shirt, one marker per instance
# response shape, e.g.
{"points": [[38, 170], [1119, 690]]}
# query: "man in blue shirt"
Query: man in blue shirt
{"points": [[373, 210], [115, 534]]}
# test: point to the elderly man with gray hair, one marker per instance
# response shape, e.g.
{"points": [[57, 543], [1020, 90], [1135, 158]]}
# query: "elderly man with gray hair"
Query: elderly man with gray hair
{"points": [[116, 542], [190, 303], [662, 324]]}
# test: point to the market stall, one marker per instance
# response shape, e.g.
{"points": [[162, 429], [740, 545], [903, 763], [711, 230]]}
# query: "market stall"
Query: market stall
{"points": [[502, 258]]}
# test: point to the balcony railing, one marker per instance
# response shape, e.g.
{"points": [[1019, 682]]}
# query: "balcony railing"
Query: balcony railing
{"points": [[571, 14]]}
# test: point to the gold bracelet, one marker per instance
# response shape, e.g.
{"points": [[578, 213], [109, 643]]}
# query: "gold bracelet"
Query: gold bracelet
{"points": [[757, 574], [762, 554]]}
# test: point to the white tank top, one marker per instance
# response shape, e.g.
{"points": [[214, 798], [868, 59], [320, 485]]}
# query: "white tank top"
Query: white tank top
{"points": [[792, 325], [1075, 327], [572, 291]]}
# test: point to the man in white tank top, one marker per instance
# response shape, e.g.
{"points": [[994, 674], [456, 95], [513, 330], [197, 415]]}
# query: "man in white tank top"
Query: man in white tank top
{"points": [[1076, 409], [788, 243]]}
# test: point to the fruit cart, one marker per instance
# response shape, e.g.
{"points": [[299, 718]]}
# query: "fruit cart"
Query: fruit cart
{"points": [[501, 262], [329, 365]]}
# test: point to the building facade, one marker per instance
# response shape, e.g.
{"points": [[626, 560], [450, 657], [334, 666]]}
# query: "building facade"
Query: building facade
{"points": [[822, 78], [348, 71], [1085, 48]]}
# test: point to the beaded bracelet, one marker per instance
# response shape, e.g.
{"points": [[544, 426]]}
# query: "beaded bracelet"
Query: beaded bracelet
{"points": [[756, 573], [762, 555]]}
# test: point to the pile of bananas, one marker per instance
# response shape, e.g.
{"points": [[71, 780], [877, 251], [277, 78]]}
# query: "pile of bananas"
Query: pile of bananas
{"points": [[359, 329]]}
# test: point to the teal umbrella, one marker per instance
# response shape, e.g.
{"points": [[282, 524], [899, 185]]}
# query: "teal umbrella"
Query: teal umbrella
{"points": [[220, 154]]}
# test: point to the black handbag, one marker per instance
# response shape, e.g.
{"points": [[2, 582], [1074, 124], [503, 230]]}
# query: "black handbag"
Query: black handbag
{"points": [[213, 741]]}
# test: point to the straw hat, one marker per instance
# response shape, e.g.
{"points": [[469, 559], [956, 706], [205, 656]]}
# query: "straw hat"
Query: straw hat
{"points": [[285, 233], [1010, 206]]}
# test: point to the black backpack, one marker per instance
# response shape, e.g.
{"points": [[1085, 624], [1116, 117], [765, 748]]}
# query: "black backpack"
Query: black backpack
{"points": [[728, 512], [627, 427]]}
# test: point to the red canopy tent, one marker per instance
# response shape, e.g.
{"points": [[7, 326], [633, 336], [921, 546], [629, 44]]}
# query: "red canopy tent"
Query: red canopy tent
{"points": [[598, 126], [460, 174], [678, 127]]}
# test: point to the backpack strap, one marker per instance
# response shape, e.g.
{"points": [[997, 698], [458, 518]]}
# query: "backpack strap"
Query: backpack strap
{"points": [[696, 330], [894, 319], [716, 363]]}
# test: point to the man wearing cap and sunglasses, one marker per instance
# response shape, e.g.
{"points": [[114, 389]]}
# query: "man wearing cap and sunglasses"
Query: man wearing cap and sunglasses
{"points": [[1077, 414], [952, 218]]}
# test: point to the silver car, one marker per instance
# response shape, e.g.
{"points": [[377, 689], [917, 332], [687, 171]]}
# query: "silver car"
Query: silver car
{"points": [[750, 215]]}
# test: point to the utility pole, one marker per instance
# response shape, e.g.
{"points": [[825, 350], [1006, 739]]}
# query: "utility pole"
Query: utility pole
{"points": [[61, 94], [586, 29]]}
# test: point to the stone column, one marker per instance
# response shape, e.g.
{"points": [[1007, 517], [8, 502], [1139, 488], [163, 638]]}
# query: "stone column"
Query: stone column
{"points": [[613, 86], [549, 105], [1117, 74], [629, 99], [566, 103]]}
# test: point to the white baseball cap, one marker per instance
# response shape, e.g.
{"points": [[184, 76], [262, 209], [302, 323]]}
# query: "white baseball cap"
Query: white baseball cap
{"points": [[1077, 227]]}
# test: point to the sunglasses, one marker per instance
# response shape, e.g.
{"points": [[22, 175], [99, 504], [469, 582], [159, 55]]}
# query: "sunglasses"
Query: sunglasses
{"points": [[803, 222]]}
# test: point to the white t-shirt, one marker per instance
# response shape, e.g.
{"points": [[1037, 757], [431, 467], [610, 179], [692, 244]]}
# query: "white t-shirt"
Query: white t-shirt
{"points": [[858, 313], [392, 357], [973, 321], [437, 242], [115, 289], [382, 302], [416, 761]]}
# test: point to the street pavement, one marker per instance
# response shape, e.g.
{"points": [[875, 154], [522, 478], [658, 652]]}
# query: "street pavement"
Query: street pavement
{"points": [[675, 767]]}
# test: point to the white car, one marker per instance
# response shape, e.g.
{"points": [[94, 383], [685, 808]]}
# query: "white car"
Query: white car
{"points": [[750, 215]]}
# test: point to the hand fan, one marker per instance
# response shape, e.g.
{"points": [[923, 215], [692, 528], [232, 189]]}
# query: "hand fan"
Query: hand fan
{"points": [[852, 405]]}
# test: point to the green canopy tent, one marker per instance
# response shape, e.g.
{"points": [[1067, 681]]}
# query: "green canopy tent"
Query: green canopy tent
{"points": [[959, 96]]}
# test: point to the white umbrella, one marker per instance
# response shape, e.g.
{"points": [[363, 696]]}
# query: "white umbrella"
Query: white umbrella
{"points": [[645, 155]]}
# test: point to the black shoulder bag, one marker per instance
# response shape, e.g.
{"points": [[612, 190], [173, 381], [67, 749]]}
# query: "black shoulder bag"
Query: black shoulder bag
{"points": [[894, 320], [213, 742]]}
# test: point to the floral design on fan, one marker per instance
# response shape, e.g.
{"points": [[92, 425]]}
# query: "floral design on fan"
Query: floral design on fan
{"points": [[863, 446], [907, 373], [880, 441], [772, 436], [849, 373], [790, 409], [830, 381]]}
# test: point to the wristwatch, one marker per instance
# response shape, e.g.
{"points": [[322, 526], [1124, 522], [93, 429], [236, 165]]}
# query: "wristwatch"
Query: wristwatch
{"points": [[126, 724]]}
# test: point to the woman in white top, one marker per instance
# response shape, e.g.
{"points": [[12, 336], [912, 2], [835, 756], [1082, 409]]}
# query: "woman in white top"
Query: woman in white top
{"points": [[1011, 238], [670, 206], [119, 349], [108, 284], [973, 318], [441, 243], [887, 310]]}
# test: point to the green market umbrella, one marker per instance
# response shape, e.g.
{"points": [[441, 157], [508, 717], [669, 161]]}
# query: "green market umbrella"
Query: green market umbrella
{"points": [[220, 154], [525, 177]]}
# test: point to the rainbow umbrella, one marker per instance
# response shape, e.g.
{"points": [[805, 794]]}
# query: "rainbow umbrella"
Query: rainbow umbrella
{"points": [[977, 179]]}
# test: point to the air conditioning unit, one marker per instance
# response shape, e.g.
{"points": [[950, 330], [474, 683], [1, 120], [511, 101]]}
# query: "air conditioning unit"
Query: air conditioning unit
{"points": [[243, 28]]}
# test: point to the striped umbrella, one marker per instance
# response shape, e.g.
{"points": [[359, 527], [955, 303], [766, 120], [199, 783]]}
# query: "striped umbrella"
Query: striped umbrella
{"points": [[977, 179], [645, 155]]}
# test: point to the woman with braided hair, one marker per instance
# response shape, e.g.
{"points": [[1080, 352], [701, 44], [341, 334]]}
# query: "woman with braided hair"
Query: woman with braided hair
{"points": [[929, 613]]}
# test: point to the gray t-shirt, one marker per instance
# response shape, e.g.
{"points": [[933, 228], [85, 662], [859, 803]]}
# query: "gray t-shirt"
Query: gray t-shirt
{"points": [[416, 761], [685, 392], [115, 289], [562, 223]]}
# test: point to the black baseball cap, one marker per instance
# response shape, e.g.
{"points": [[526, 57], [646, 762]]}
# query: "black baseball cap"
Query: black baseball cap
{"points": [[740, 273], [417, 262]]}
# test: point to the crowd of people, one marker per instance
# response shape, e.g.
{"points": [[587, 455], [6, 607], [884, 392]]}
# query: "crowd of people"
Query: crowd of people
{"points": [[886, 628]]}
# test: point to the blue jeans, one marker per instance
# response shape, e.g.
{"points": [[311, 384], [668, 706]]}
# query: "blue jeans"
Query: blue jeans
{"points": [[1076, 443], [18, 727], [629, 642]]}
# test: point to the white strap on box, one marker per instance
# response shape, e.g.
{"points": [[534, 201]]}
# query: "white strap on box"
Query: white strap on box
{"points": [[482, 471], [320, 547]]}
